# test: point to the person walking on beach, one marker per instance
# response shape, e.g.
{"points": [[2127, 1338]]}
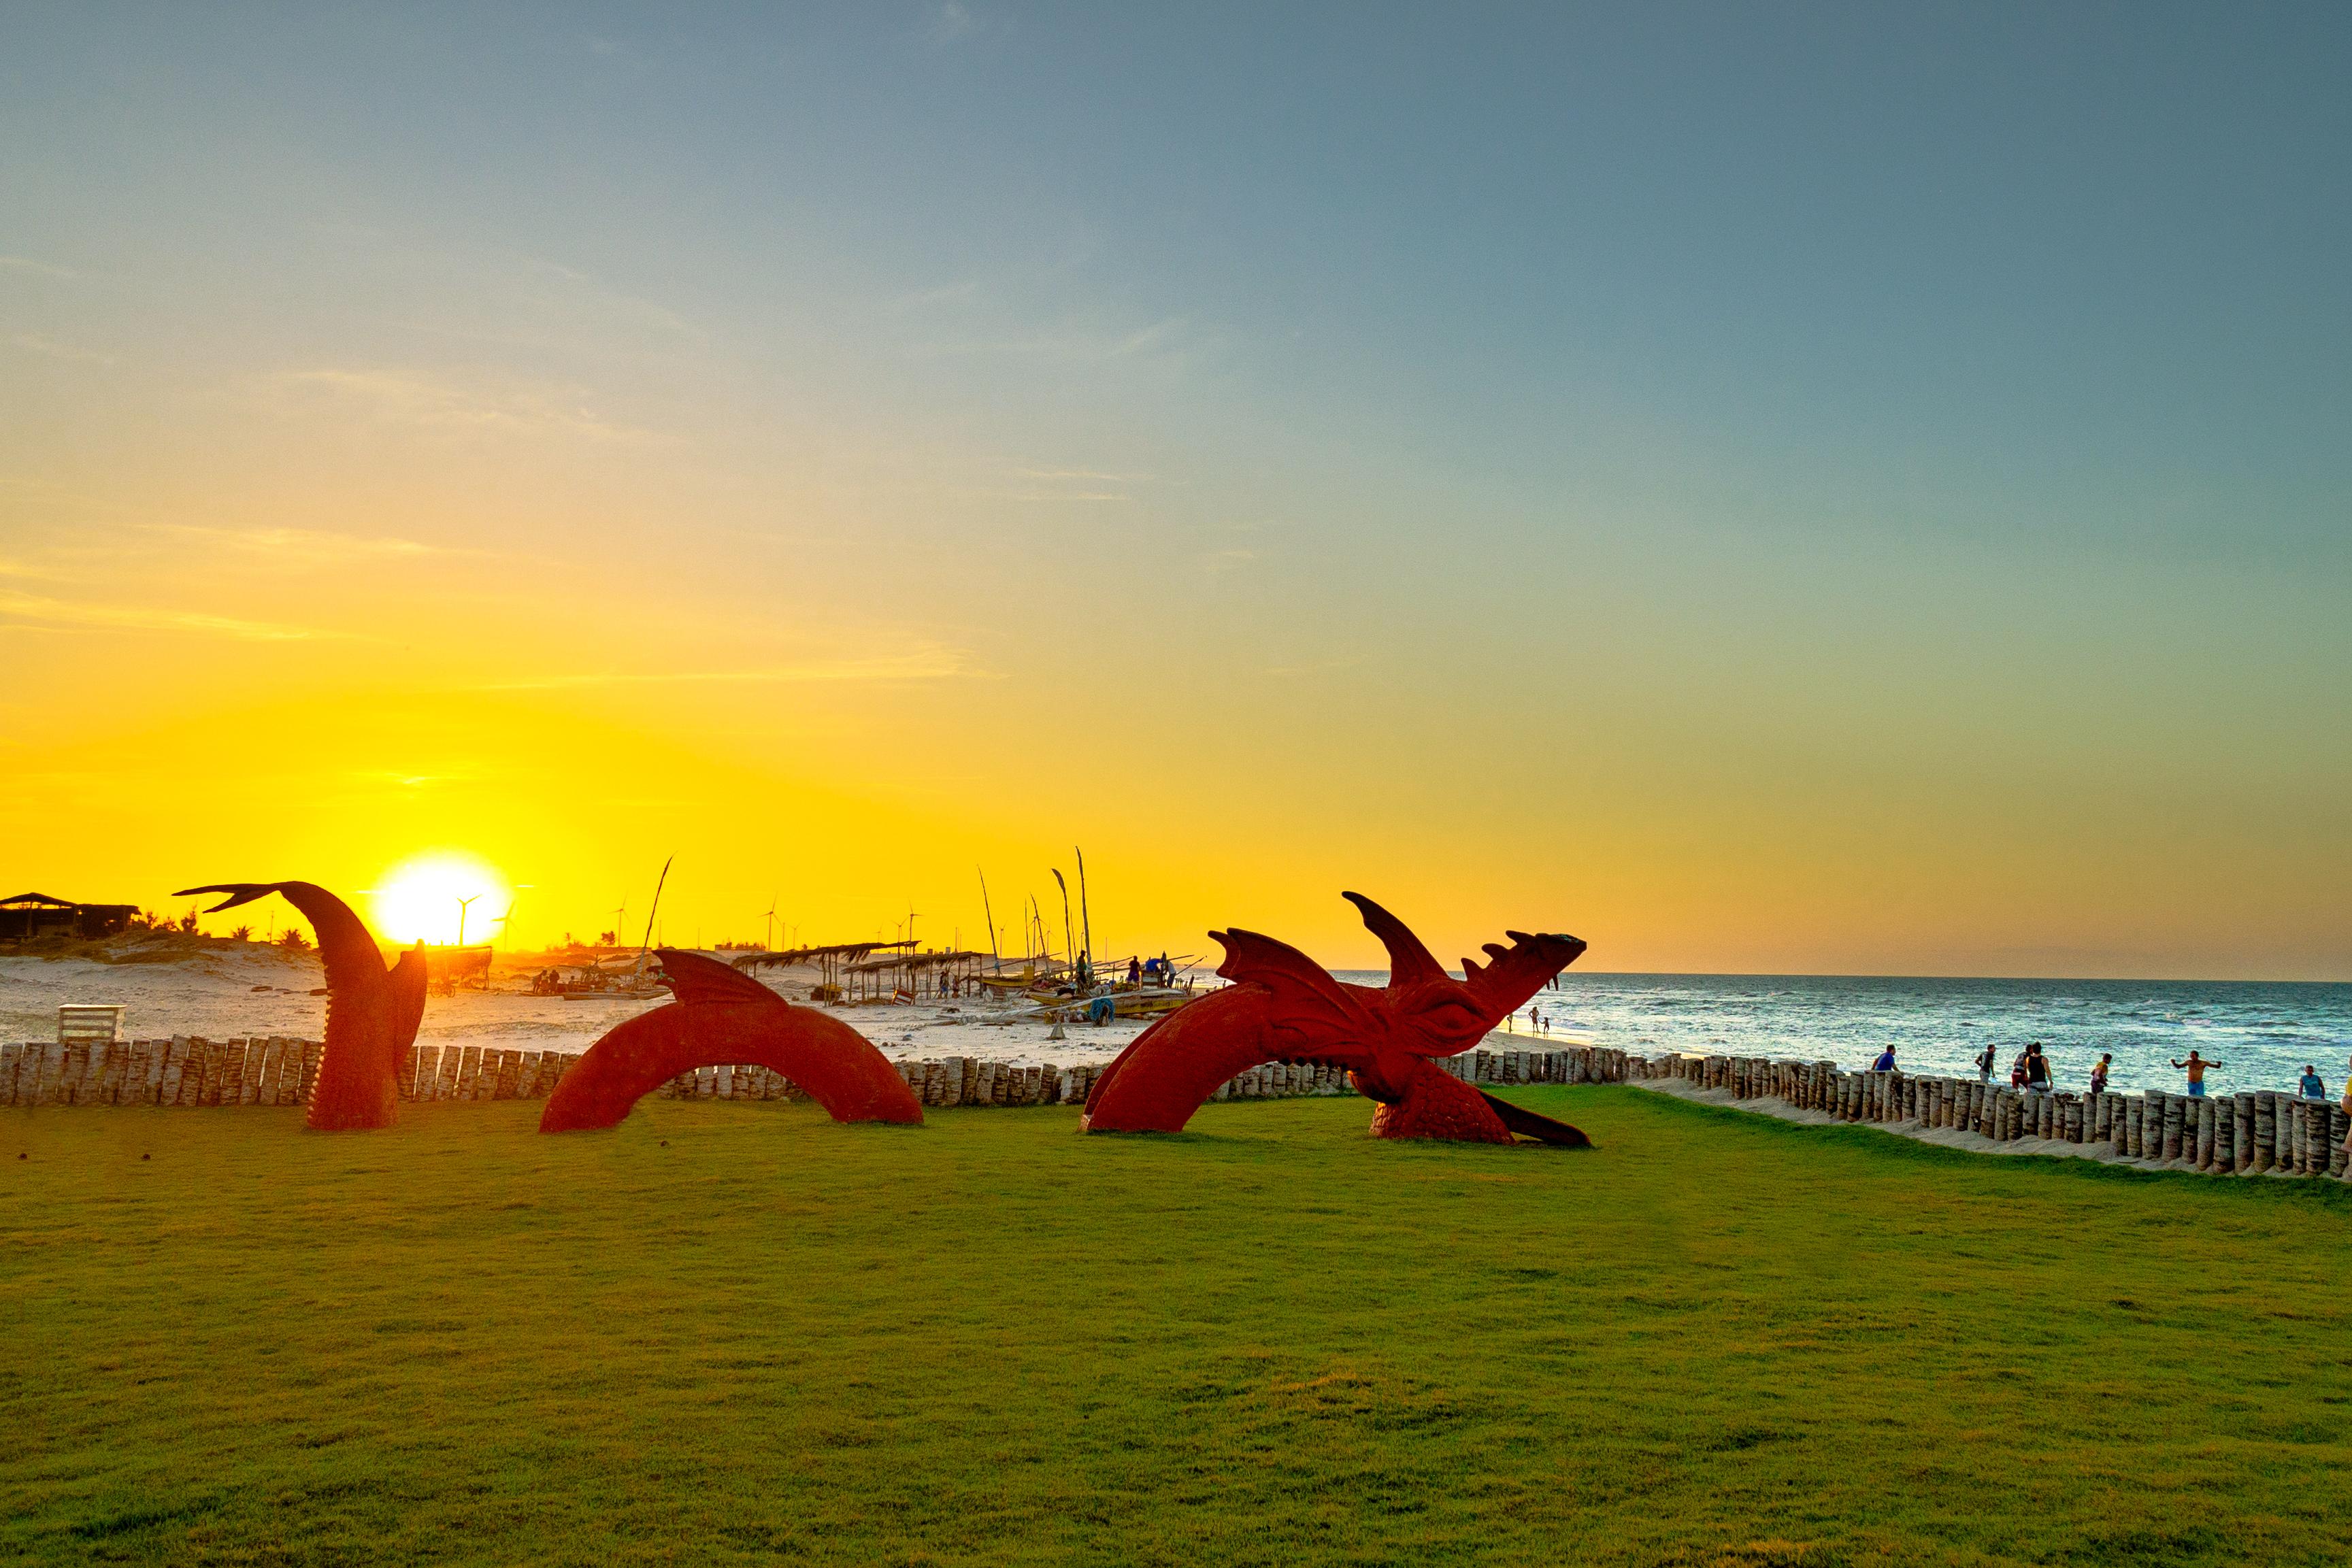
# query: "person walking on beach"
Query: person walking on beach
{"points": [[2196, 1066], [2099, 1073], [2037, 1070], [1984, 1063], [2312, 1087]]}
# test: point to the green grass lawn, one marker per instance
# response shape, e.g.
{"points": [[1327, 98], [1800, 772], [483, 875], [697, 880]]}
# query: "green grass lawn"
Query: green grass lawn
{"points": [[723, 1333]]}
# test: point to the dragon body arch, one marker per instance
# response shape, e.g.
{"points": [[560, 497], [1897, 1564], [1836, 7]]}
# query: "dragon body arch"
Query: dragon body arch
{"points": [[1283, 1007], [721, 1016]]}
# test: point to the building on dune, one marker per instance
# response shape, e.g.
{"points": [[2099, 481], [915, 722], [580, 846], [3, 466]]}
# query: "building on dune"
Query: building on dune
{"points": [[30, 915]]}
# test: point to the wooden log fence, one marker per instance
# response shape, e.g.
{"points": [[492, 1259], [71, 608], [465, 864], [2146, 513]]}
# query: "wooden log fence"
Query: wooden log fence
{"points": [[2248, 1134], [189, 1071]]}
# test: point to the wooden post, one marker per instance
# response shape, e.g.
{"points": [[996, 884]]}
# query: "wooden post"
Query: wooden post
{"points": [[174, 1088], [237, 1062], [282, 1074], [2265, 1131], [262, 1055], [289, 1073]]}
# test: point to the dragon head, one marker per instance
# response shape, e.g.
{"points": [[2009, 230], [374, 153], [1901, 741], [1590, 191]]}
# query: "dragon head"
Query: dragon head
{"points": [[1452, 1015], [1424, 1011]]}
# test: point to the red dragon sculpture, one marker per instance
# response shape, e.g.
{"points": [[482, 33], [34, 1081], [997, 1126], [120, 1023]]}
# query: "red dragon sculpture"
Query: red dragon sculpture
{"points": [[1283, 1007], [371, 1013], [723, 1016]]}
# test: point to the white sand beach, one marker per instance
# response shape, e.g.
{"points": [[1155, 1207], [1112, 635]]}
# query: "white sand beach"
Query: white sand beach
{"points": [[227, 991]]}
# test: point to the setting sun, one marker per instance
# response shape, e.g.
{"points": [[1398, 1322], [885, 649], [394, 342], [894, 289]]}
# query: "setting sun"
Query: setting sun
{"points": [[444, 896]]}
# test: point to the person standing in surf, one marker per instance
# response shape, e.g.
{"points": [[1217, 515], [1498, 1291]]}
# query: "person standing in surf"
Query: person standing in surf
{"points": [[2196, 1066]]}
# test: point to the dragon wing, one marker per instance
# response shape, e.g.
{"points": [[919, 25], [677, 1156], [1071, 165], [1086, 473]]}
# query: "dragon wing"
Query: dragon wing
{"points": [[1308, 1011], [693, 978]]}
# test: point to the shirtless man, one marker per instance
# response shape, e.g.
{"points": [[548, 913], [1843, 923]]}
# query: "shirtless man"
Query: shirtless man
{"points": [[2196, 1065]]}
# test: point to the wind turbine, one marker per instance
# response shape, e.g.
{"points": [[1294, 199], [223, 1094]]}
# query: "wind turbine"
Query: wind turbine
{"points": [[461, 918], [506, 930], [771, 943]]}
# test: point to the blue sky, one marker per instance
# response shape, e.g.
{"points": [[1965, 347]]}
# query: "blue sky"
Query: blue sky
{"points": [[1754, 418]]}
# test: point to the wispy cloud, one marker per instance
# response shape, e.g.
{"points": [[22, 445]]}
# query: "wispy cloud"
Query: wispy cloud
{"points": [[1084, 473], [962, 293], [953, 22], [1161, 339], [24, 608], [930, 663], [1146, 339], [307, 546], [403, 397], [26, 263], [49, 348]]}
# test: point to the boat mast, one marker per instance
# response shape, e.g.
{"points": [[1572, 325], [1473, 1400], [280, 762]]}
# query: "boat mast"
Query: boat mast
{"points": [[658, 883], [996, 959]]}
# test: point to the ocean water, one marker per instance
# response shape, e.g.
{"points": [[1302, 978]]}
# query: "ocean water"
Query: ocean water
{"points": [[2261, 1033]]}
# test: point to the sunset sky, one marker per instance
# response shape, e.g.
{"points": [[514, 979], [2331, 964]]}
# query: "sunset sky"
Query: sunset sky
{"points": [[1770, 489]]}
